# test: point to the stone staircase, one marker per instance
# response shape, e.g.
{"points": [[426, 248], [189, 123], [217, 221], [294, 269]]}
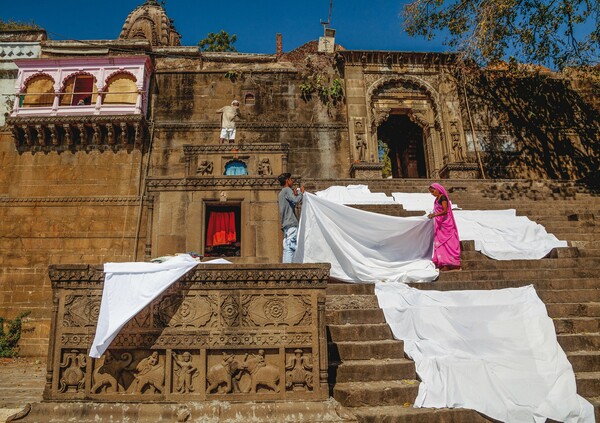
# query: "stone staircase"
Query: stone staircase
{"points": [[369, 373]]}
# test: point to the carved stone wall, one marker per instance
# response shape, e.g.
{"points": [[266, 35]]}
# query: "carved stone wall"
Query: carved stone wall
{"points": [[220, 333]]}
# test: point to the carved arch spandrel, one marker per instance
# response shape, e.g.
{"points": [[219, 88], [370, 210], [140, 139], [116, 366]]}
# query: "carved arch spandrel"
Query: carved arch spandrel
{"points": [[410, 79]]}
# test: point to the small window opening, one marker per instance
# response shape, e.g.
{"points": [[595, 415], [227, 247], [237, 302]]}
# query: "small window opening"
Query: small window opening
{"points": [[223, 231]]}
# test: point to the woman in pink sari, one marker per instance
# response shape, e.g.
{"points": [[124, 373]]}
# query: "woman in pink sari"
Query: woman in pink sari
{"points": [[446, 245]]}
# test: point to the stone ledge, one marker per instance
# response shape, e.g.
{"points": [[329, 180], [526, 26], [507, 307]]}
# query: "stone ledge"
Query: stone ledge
{"points": [[217, 411]]}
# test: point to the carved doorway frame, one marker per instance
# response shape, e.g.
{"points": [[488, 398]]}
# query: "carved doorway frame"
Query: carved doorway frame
{"points": [[428, 117]]}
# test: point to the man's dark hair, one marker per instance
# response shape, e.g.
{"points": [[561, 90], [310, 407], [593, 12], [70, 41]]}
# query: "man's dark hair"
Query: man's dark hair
{"points": [[283, 177]]}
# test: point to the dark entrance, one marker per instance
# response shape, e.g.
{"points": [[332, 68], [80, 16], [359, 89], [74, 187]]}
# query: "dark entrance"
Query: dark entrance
{"points": [[405, 143]]}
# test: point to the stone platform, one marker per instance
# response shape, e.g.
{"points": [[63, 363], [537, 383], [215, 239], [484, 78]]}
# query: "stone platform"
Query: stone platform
{"points": [[227, 343]]}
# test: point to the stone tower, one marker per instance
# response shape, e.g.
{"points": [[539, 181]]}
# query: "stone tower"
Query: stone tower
{"points": [[150, 22]]}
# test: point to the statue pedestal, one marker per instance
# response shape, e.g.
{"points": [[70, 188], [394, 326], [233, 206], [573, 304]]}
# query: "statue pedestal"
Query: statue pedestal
{"points": [[460, 171], [366, 170]]}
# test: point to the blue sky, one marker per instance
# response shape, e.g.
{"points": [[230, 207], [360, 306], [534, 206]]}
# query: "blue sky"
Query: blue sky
{"points": [[360, 24]]}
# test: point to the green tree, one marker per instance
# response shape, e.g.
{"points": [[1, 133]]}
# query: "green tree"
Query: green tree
{"points": [[552, 33], [12, 25], [221, 41], [384, 157]]}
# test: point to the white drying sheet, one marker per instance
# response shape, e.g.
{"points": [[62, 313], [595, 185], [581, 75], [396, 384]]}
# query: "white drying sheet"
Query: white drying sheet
{"points": [[414, 201], [492, 351], [365, 247], [499, 234], [354, 194], [502, 235], [128, 288]]}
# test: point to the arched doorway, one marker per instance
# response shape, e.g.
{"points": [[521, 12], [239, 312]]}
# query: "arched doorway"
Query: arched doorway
{"points": [[404, 141]]}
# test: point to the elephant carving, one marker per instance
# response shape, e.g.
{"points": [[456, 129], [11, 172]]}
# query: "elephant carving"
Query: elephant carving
{"points": [[219, 376], [261, 373]]}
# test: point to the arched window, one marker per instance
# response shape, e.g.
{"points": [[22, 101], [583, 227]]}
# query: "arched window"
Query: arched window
{"points": [[236, 167], [249, 99], [79, 90], [121, 89], [38, 92]]}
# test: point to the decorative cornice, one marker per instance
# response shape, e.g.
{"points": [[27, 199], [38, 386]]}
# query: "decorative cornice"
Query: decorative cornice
{"points": [[192, 150], [390, 58], [11, 201], [366, 166], [237, 276], [256, 126], [190, 184], [73, 120]]}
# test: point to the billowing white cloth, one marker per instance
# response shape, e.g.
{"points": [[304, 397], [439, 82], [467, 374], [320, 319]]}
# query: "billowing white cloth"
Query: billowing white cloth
{"points": [[128, 288], [413, 201], [365, 247], [492, 351], [499, 234], [354, 194], [502, 235]]}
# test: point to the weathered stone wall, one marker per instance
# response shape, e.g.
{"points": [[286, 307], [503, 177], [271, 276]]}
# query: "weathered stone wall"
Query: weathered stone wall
{"points": [[188, 94], [60, 208]]}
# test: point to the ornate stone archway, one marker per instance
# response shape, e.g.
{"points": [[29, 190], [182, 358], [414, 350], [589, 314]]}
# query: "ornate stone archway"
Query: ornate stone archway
{"points": [[416, 98]]}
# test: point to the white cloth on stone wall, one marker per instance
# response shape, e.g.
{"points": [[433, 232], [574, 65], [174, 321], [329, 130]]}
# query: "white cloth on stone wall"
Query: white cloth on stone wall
{"points": [[492, 351], [129, 287], [365, 247]]}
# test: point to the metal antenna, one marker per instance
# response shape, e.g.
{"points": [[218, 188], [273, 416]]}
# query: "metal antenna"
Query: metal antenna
{"points": [[328, 22]]}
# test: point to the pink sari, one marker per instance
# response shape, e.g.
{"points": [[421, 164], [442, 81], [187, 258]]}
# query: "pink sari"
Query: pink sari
{"points": [[446, 245]]}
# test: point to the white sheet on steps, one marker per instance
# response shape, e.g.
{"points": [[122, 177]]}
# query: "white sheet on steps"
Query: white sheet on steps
{"points": [[492, 351], [499, 234]]}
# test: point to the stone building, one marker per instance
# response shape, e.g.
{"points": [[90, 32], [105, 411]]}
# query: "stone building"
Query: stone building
{"points": [[112, 152]]}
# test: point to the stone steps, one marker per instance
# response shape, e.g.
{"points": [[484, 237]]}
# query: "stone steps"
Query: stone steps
{"points": [[376, 393], [408, 414], [357, 350], [566, 280], [588, 384], [389, 369]]}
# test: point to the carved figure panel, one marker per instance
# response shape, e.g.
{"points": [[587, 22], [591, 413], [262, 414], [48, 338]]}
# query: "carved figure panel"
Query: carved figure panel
{"points": [[185, 373], [274, 310], [72, 371], [81, 311], [109, 373], [298, 366], [253, 372], [149, 375], [205, 167], [264, 167]]}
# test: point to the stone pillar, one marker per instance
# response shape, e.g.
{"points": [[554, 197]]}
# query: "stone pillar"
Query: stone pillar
{"points": [[278, 44]]}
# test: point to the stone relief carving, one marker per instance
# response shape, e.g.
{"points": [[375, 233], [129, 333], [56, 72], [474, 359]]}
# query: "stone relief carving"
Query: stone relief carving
{"points": [[261, 373], [205, 167], [149, 376], [185, 371], [219, 377], [192, 340], [108, 374], [188, 312], [457, 148], [72, 377], [230, 310], [81, 311], [298, 375], [268, 310], [361, 146], [264, 167]]}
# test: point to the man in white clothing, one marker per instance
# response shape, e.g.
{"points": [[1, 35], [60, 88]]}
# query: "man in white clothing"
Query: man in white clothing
{"points": [[229, 114]]}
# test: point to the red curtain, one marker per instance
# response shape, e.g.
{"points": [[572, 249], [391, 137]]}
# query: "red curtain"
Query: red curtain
{"points": [[84, 86], [221, 228]]}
